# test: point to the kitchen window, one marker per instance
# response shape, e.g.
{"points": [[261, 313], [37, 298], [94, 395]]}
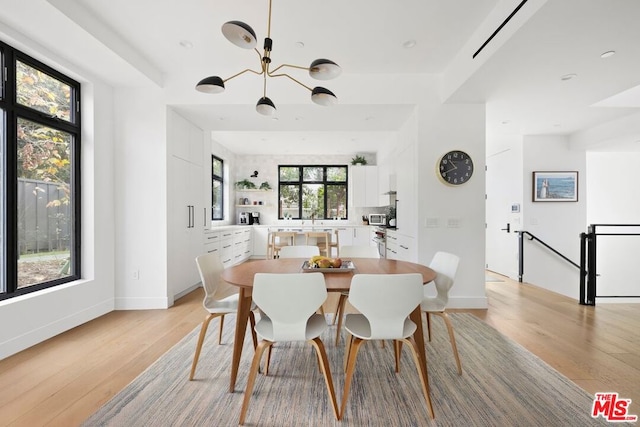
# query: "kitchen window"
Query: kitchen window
{"points": [[312, 191], [39, 176], [217, 188]]}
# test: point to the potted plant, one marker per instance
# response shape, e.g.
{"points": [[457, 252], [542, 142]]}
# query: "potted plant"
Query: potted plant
{"points": [[358, 160], [265, 186], [245, 184]]}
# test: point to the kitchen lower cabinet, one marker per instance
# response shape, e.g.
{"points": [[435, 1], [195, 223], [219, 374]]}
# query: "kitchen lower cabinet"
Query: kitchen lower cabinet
{"points": [[356, 236], [260, 236], [242, 247], [401, 246], [212, 241], [226, 247]]}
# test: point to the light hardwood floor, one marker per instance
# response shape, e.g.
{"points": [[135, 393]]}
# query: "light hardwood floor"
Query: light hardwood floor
{"points": [[62, 381]]}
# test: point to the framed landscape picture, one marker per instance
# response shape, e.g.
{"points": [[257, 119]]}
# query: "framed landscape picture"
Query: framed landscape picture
{"points": [[555, 186]]}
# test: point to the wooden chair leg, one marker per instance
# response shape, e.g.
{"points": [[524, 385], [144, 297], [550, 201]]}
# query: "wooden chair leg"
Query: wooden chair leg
{"points": [[268, 361], [397, 345], [339, 315], [351, 365], [428, 317], [452, 338], [326, 371], [424, 380], [203, 333], [339, 307], [252, 322], [220, 329], [252, 378]]}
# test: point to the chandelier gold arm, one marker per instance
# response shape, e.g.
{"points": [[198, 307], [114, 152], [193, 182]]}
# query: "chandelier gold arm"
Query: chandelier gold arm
{"points": [[242, 72], [287, 75], [299, 67]]}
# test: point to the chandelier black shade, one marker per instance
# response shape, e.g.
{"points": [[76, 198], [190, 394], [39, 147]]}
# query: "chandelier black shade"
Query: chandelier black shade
{"points": [[242, 35]]}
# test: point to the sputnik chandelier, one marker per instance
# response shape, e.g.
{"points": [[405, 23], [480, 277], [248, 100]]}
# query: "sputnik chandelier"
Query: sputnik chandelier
{"points": [[242, 35]]}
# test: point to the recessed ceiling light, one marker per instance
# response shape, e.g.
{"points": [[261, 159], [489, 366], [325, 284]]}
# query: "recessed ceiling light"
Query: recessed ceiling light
{"points": [[300, 45], [568, 77], [608, 53], [186, 44], [409, 44], [369, 118], [506, 122]]}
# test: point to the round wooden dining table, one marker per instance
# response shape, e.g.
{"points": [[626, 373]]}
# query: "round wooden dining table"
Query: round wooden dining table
{"points": [[241, 275]]}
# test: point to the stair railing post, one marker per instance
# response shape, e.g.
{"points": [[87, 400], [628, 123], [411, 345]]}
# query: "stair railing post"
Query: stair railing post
{"points": [[591, 277], [520, 256], [583, 269]]}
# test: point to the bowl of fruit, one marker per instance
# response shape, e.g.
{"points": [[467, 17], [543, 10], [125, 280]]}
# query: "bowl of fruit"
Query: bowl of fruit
{"points": [[326, 264]]}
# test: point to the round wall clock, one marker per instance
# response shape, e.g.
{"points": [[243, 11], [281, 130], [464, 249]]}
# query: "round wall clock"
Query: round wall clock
{"points": [[455, 168]]}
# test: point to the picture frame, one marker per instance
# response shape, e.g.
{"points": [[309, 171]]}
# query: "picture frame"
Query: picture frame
{"points": [[555, 186]]}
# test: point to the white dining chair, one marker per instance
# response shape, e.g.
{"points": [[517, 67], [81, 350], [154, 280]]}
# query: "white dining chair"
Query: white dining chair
{"points": [[220, 298], [350, 251], [289, 302], [299, 251], [384, 302], [445, 265]]}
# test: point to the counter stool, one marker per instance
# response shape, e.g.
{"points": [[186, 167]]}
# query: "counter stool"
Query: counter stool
{"points": [[276, 240]]}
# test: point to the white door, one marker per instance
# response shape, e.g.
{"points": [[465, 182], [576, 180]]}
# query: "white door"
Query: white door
{"points": [[503, 210]]}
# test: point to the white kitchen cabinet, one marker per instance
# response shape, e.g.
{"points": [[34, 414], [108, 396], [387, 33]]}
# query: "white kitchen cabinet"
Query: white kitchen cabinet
{"points": [[212, 241], [186, 211], [407, 194], [364, 187], [362, 236], [186, 141], [260, 235], [401, 246], [226, 247], [242, 246]]}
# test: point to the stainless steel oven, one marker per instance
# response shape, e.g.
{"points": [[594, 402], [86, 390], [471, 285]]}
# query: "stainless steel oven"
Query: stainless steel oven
{"points": [[380, 239]]}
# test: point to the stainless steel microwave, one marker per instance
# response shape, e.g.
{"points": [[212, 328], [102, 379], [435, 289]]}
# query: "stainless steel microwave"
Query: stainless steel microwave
{"points": [[377, 219]]}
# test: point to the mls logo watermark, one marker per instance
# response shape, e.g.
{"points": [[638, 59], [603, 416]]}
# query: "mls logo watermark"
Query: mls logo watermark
{"points": [[612, 408]]}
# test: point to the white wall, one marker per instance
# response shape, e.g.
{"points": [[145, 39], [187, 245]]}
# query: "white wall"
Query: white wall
{"points": [[141, 202], [41, 315], [614, 198], [457, 212], [558, 224]]}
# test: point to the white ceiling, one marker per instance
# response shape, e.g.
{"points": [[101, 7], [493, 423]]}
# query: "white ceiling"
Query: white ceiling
{"points": [[138, 43]]}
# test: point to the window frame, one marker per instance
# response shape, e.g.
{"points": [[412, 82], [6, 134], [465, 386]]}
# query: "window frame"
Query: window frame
{"points": [[301, 182], [12, 112], [220, 179]]}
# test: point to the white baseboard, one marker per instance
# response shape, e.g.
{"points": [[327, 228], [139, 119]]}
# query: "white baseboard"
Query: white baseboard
{"points": [[36, 336]]}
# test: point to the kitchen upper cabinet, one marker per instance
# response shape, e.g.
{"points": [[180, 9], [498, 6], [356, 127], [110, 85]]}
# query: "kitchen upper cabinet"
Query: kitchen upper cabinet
{"points": [[186, 141], [364, 187]]}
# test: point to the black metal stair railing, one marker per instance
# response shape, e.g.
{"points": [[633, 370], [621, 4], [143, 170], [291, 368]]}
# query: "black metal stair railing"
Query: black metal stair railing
{"points": [[521, 234], [588, 255]]}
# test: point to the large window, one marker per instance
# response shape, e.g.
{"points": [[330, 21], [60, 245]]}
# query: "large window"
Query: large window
{"points": [[39, 176], [306, 192], [217, 188]]}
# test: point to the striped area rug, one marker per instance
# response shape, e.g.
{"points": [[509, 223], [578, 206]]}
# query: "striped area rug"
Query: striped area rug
{"points": [[502, 385]]}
